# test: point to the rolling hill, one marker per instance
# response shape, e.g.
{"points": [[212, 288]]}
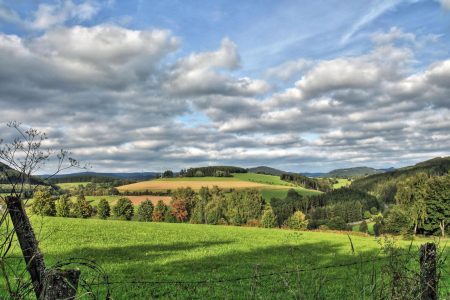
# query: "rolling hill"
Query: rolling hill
{"points": [[384, 184], [89, 176], [353, 172]]}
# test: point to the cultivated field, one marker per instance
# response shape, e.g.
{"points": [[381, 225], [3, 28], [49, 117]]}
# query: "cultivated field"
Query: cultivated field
{"points": [[133, 252], [270, 186], [195, 184]]}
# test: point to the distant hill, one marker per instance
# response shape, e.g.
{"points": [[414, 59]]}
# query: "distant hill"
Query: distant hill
{"points": [[216, 171], [89, 176], [267, 171], [313, 175], [354, 172], [384, 184], [15, 176]]}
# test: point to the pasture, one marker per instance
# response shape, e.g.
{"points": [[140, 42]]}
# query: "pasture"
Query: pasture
{"points": [[156, 254]]}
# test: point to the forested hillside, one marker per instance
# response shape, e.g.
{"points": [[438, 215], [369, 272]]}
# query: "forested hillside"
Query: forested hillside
{"points": [[216, 171], [384, 185], [353, 172], [266, 170]]}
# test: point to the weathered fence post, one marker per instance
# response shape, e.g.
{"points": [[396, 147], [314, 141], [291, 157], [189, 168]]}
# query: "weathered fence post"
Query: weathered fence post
{"points": [[28, 243], [48, 284], [428, 272], [60, 284]]}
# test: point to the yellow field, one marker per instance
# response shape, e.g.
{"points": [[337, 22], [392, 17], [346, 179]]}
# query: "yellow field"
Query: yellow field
{"points": [[158, 185]]}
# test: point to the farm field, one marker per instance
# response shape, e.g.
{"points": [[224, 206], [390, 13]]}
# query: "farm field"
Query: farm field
{"points": [[175, 183], [134, 251], [270, 186]]}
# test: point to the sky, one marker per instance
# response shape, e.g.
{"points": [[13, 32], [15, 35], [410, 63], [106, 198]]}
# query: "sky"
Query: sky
{"points": [[131, 86]]}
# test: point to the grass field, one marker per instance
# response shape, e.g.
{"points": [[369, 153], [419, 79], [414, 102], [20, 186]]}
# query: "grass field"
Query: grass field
{"points": [[342, 182], [262, 178], [134, 251], [281, 193]]}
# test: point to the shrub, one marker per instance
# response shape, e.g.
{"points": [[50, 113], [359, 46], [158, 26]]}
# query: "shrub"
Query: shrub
{"points": [[377, 228], [398, 221], [63, 206], [363, 227], [103, 209], [216, 208], [179, 210], [169, 216], [373, 210], [183, 201], [268, 219], [253, 223], [284, 208], [124, 209], [324, 227], [367, 215], [145, 211], [159, 211], [297, 221], [43, 203], [337, 223], [81, 208]]}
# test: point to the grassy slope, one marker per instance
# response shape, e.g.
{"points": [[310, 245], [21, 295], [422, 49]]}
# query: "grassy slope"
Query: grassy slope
{"points": [[342, 182], [262, 178], [209, 179], [160, 251], [268, 193], [70, 185]]}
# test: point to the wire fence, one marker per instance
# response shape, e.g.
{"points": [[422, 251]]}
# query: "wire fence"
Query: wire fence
{"points": [[376, 277]]}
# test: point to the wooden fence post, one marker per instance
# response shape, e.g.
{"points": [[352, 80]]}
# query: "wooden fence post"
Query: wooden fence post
{"points": [[428, 273], [60, 284], [27, 241]]}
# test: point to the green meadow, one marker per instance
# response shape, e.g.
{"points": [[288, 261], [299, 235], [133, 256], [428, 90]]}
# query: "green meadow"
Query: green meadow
{"points": [[148, 260], [261, 178], [71, 185], [342, 182]]}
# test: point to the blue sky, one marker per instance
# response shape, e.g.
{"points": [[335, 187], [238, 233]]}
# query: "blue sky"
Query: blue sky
{"points": [[299, 85]]}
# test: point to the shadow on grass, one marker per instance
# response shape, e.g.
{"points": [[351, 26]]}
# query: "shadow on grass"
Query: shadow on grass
{"points": [[131, 266]]}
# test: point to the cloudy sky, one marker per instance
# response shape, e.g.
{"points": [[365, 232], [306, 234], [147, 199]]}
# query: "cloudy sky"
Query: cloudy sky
{"points": [[297, 85]]}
